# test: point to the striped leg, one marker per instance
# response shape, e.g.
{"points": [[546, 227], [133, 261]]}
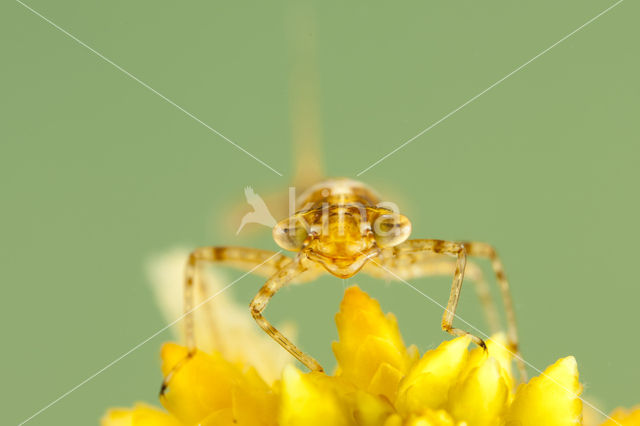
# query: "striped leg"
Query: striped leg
{"points": [[486, 251], [260, 262], [412, 265], [448, 248], [260, 301], [481, 250]]}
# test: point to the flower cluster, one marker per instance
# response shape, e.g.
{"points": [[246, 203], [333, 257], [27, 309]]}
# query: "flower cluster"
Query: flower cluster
{"points": [[378, 382]]}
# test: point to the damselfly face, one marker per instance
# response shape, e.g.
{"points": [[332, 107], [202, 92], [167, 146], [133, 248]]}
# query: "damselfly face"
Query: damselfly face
{"points": [[340, 227]]}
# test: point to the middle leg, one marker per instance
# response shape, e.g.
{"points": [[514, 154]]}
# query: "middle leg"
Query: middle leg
{"points": [[452, 249], [481, 250], [256, 261], [279, 280], [408, 266]]}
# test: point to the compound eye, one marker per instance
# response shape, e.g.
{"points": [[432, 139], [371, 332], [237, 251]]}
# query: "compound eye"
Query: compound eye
{"points": [[290, 234], [391, 229]]}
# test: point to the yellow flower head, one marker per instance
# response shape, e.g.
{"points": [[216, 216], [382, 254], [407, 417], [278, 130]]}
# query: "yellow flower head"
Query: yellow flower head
{"points": [[378, 382]]}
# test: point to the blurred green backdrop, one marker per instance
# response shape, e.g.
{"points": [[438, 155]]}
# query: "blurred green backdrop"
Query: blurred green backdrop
{"points": [[98, 174]]}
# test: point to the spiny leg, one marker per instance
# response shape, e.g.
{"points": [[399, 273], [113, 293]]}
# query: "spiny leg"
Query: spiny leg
{"points": [[474, 273], [483, 250], [486, 251], [415, 265], [208, 312], [260, 262], [448, 248], [260, 301], [454, 297]]}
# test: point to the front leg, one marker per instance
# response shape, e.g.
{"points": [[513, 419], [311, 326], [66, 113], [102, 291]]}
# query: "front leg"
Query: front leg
{"points": [[486, 251], [260, 262], [454, 297], [260, 301], [448, 248], [407, 266], [476, 249]]}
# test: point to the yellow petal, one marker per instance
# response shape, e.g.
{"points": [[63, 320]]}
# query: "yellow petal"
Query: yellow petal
{"points": [[431, 418], [368, 340], [550, 399], [140, 415], [622, 417], [371, 410], [206, 387], [480, 398], [385, 382], [497, 348], [221, 325], [394, 420], [223, 417], [253, 402], [428, 382], [310, 400]]}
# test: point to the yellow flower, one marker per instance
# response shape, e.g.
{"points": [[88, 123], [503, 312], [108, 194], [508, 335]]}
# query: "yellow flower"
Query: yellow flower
{"points": [[140, 415], [208, 389], [621, 417], [221, 325], [378, 382], [370, 352]]}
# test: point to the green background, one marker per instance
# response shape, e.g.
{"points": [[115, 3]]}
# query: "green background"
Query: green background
{"points": [[97, 173]]}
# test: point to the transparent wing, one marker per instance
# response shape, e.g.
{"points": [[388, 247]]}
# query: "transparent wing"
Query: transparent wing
{"points": [[304, 102], [304, 92]]}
